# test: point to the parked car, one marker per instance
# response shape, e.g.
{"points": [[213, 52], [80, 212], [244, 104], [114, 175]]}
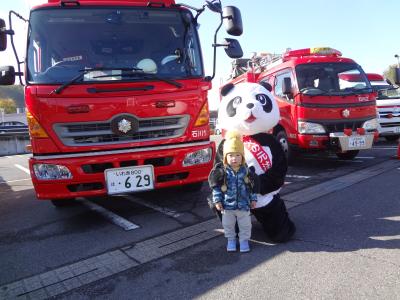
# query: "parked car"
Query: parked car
{"points": [[13, 126], [388, 105]]}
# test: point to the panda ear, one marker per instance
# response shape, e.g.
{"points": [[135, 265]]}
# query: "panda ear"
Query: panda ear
{"points": [[266, 85], [226, 89]]}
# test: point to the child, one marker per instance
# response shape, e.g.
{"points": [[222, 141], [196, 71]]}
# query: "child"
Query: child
{"points": [[234, 197]]}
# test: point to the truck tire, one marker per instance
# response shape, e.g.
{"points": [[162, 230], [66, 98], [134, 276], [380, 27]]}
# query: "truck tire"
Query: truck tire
{"points": [[290, 153], [348, 155], [392, 138], [63, 202]]}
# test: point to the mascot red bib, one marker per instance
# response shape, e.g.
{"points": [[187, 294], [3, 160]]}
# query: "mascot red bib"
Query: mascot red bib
{"points": [[250, 109]]}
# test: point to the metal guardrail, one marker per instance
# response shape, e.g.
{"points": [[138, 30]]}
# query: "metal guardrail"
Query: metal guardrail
{"points": [[14, 133], [14, 142]]}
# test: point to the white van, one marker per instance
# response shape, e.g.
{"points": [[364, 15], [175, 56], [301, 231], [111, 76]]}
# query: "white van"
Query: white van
{"points": [[388, 107]]}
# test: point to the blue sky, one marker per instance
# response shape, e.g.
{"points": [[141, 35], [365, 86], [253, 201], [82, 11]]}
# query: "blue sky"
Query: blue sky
{"points": [[364, 30]]}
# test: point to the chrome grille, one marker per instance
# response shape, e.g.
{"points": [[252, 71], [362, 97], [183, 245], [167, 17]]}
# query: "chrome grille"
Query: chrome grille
{"points": [[389, 124], [100, 133], [341, 125], [388, 115]]}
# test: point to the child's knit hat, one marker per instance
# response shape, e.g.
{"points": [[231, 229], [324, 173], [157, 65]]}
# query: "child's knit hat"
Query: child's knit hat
{"points": [[233, 143]]}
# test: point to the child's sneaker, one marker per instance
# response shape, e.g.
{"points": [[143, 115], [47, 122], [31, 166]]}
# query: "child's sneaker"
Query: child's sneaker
{"points": [[231, 246], [244, 246]]}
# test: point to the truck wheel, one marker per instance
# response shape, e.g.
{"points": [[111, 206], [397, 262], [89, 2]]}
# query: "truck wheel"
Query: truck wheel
{"points": [[63, 202], [289, 151], [392, 138], [348, 155]]}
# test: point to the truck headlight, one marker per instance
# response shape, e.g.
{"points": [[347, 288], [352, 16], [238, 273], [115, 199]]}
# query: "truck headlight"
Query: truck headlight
{"points": [[198, 157], [310, 128], [51, 172], [370, 125]]}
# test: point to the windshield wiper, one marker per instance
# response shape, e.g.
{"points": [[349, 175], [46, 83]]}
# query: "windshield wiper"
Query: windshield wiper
{"points": [[353, 91], [136, 72], [313, 91], [83, 72]]}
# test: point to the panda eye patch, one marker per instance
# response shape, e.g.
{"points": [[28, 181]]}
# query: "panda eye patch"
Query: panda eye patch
{"points": [[262, 98], [237, 101], [265, 102]]}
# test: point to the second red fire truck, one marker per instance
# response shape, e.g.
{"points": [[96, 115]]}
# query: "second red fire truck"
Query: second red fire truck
{"points": [[320, 109]]}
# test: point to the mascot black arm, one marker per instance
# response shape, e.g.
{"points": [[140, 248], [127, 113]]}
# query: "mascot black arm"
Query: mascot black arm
{"points": [[219, 156], [274, 177]]}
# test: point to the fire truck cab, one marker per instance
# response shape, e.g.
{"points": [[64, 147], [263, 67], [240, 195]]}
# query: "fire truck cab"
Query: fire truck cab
{"points": [[116, 95], [320, 109]]}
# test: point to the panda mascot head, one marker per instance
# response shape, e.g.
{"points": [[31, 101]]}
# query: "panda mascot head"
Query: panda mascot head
{"points": [[248, 108]]}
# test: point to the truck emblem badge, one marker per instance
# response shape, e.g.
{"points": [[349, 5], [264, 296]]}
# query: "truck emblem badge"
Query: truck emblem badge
{"points": [[124, 125], [345, 113]]}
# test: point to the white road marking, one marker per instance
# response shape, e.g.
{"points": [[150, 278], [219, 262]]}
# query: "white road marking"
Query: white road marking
{"points": [[109, 215], [22, 168], [297, 176], [385, 238], [24, 155], [10, 181], [343, 160], [165, 211]]}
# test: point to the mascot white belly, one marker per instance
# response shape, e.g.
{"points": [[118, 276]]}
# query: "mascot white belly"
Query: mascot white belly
{"points": [[260, 160]]}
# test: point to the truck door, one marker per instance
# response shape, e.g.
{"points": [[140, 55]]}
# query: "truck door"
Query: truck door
{"points": [[286, 102]]}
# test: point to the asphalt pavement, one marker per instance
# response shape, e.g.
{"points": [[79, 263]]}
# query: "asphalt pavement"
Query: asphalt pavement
{"points": [[346, 247]]}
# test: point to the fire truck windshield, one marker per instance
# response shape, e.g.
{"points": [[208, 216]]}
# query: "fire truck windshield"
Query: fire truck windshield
{"points": [[62, 42], [332, 79], [387, 91]]}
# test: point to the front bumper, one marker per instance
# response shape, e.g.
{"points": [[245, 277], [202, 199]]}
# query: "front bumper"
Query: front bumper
{"points": [[337, 141], [387, 129], [352, 142], [88, 169]]}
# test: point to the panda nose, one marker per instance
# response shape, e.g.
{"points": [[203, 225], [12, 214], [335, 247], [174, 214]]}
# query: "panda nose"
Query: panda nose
{"points": [[250, 105]]}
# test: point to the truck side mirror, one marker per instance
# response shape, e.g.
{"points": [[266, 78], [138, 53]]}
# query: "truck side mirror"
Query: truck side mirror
{"points": [[3, 35], [232, 20], [232, 48], [287, 86], [397, 75], [7, 75]]}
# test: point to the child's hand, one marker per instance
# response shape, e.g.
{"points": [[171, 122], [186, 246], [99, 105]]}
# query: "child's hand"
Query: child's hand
{"points": [[219, 206], [253, 204]]}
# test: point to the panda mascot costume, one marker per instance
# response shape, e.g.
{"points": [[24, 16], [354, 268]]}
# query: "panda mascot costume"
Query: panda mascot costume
{"points": [[250, 109]]}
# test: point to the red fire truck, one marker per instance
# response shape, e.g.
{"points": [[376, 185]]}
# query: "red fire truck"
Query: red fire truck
{"points": [[320, 109], [116, 95]]}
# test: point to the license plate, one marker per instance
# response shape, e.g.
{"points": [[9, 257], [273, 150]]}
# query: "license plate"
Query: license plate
{"points": [[357, 142], [129, 179], [397, 129]]}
